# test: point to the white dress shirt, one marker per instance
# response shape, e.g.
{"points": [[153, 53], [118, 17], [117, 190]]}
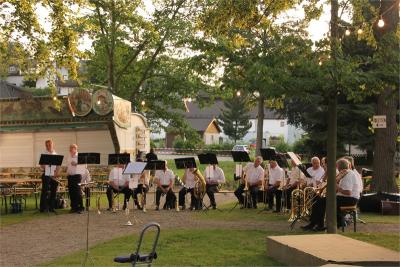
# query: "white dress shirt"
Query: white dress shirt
{"points": [[360, 181], [50, 170], [189, 179], [165, 177], [295, 175], [276, 174], [77, 169], [214, 176], [135, 180], [117, 177], [352, 183], [254, 174], [316, 175]]}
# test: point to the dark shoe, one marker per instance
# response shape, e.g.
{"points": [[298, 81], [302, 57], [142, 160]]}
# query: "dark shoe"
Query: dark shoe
{"points": [[183, 207], [276, 211], [157, 208], [255, 207], [72, 211], [109, 209], [124, 206], [319, 229], [307, 227], [214, 207], [79, 212]]}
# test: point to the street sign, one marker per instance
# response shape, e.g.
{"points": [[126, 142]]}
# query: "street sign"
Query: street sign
{"points": [[379, 121]]}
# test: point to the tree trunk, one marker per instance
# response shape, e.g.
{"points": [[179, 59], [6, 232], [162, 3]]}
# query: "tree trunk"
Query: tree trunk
{"points": [[332, 128], [385, 144], [385, 139], [260, 124]]}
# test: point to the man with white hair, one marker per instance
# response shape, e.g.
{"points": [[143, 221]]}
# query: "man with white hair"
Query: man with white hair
{"points": [[316, 172], [254, 176]]}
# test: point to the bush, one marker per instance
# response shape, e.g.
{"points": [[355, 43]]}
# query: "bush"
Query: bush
{"points": [[180, 143], [223, 146]]}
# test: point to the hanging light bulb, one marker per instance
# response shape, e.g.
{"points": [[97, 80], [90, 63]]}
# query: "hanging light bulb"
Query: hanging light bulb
{"points": [[360, 31], [320, 63], [381, 23], [98, 102], [347, 32], [143, 103], [238, 93], [54, 98]]}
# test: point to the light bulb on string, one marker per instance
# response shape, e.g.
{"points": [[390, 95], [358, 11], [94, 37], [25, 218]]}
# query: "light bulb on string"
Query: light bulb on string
{"points": [[347, 32], [360, 31], [381, 23], [238, 93], [54, 98], [143, 103], [320, 63]]}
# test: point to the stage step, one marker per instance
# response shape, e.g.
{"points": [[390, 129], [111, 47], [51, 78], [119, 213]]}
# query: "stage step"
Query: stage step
{"points": [[323, 249]]}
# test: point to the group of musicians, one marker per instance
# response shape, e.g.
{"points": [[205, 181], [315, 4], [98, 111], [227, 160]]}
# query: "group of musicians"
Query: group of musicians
{"points": [[271, 182]]}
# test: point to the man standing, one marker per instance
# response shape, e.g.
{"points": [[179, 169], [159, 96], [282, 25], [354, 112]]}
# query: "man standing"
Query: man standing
{"points": [[276, 176], [254, 176], [214, 176], [49, 183], [151, 155]]}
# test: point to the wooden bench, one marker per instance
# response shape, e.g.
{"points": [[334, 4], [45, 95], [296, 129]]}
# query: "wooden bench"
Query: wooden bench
{"points": [[352, 210]]}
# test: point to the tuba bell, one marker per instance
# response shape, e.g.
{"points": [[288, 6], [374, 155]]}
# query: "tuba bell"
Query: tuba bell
{"points": [[200, 184], [297, 203]]}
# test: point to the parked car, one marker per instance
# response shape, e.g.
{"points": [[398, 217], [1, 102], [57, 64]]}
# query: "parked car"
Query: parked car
{"points": [[240, 148]]}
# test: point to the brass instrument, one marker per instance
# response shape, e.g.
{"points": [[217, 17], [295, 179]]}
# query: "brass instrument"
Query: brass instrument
{"points": [[308, 200], [297, 201], [199, 189], [141, 197]]}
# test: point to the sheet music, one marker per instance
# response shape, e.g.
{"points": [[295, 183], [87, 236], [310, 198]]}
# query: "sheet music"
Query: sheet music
{"points": [[135, 168], [294, 158], [238, 170]]}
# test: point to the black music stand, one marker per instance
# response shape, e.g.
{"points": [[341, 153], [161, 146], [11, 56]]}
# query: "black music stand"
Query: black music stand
{"points": [[88, 158], [51, 160], [185, 163], [239, 157]]}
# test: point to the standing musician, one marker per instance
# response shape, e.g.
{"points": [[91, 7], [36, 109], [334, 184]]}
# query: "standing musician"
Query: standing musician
{"points": [[151, 155], [316, 172], [165, 180], [296, 177], [188, 180], [118, 182], [348, 191], [49, 183], [214, 177], [276, 177], [75, 174], [254, 174]]}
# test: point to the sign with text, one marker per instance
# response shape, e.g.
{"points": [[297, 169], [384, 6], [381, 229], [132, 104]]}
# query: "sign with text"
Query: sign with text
{"points": [[379, 121]]}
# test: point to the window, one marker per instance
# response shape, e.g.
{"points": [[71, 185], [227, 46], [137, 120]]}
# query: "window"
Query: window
{"points": [[12, 69], [282, 123]]}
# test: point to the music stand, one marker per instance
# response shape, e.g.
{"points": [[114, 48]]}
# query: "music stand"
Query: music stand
{"points": [[88, 158], [239, 157], [52, 161], [133, 168], [118, 159], [185, 163]]}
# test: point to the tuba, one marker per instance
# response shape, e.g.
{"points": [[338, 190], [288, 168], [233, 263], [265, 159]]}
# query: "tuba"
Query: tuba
{"points": [[297, 200], [308, 200], [200, 185]]}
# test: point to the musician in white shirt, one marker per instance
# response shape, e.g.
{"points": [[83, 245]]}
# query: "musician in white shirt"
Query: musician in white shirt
{"points": [[254, 176], [295, 179], [348, 191], [140, 185], [165, 180], [316, 172], [276, 177], [214, 176], [358, 175], [75, 173], [189, 183], [48, 201], [118, 183]]}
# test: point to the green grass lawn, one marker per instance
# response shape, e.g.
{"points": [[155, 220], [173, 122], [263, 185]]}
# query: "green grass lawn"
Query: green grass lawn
{"points": [[194, 247], [387, 240]]}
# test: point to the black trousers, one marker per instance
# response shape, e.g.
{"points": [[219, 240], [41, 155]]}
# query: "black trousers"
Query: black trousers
{"points": [[211, 189], [110, 190], [253, 193], [75, 193], [342, 201], [170, 198], [48, 194], [289, 196], [271, 193], [318, 211], [139, 190], [182, 194]]}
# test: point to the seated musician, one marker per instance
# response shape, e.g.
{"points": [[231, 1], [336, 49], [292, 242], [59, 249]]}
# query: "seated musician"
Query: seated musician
{"points": [[294, 181], [142, 181], [317, 216], [214, 176], [358, 175], [165, 180], [348, 189], [75, 174], [316, 172], [118, 183], [49, 183], [254, 174], [189, 182], [276, 176]]}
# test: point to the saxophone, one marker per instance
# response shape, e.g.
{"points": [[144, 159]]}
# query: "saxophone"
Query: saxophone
{"points": [[200, 184]]}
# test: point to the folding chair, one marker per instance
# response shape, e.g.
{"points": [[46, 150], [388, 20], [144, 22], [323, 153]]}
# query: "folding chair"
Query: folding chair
{"points": [[141, 259]]}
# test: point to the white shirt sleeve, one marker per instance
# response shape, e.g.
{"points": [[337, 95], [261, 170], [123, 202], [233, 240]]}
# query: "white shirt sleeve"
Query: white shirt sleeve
{"points": [[221, 176]]}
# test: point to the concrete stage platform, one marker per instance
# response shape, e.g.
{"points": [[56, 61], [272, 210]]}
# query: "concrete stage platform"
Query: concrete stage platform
{"points": [[332, 249]]}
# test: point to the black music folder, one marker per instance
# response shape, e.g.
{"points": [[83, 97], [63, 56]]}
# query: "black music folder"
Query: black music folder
{"points": [[268, 153], [303, 168], [240, 156], [281, 160], [208, 158], [115, 159], [185, 163], [51, 159], [155, 165], [88, 158]]}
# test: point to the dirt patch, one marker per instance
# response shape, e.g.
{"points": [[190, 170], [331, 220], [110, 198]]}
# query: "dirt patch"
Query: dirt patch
{"points": [[40, 240]]}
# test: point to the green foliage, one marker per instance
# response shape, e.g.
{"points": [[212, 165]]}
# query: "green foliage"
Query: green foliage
{"points": [[183, 143], [223, 146], [282, 146], [235, 119]]}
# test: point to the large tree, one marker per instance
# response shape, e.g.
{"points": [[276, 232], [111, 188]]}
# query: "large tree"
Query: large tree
{"points": [[235, 118]]}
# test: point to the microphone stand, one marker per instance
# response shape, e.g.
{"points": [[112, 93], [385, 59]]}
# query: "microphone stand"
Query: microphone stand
{"points": [[87, 254]]}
